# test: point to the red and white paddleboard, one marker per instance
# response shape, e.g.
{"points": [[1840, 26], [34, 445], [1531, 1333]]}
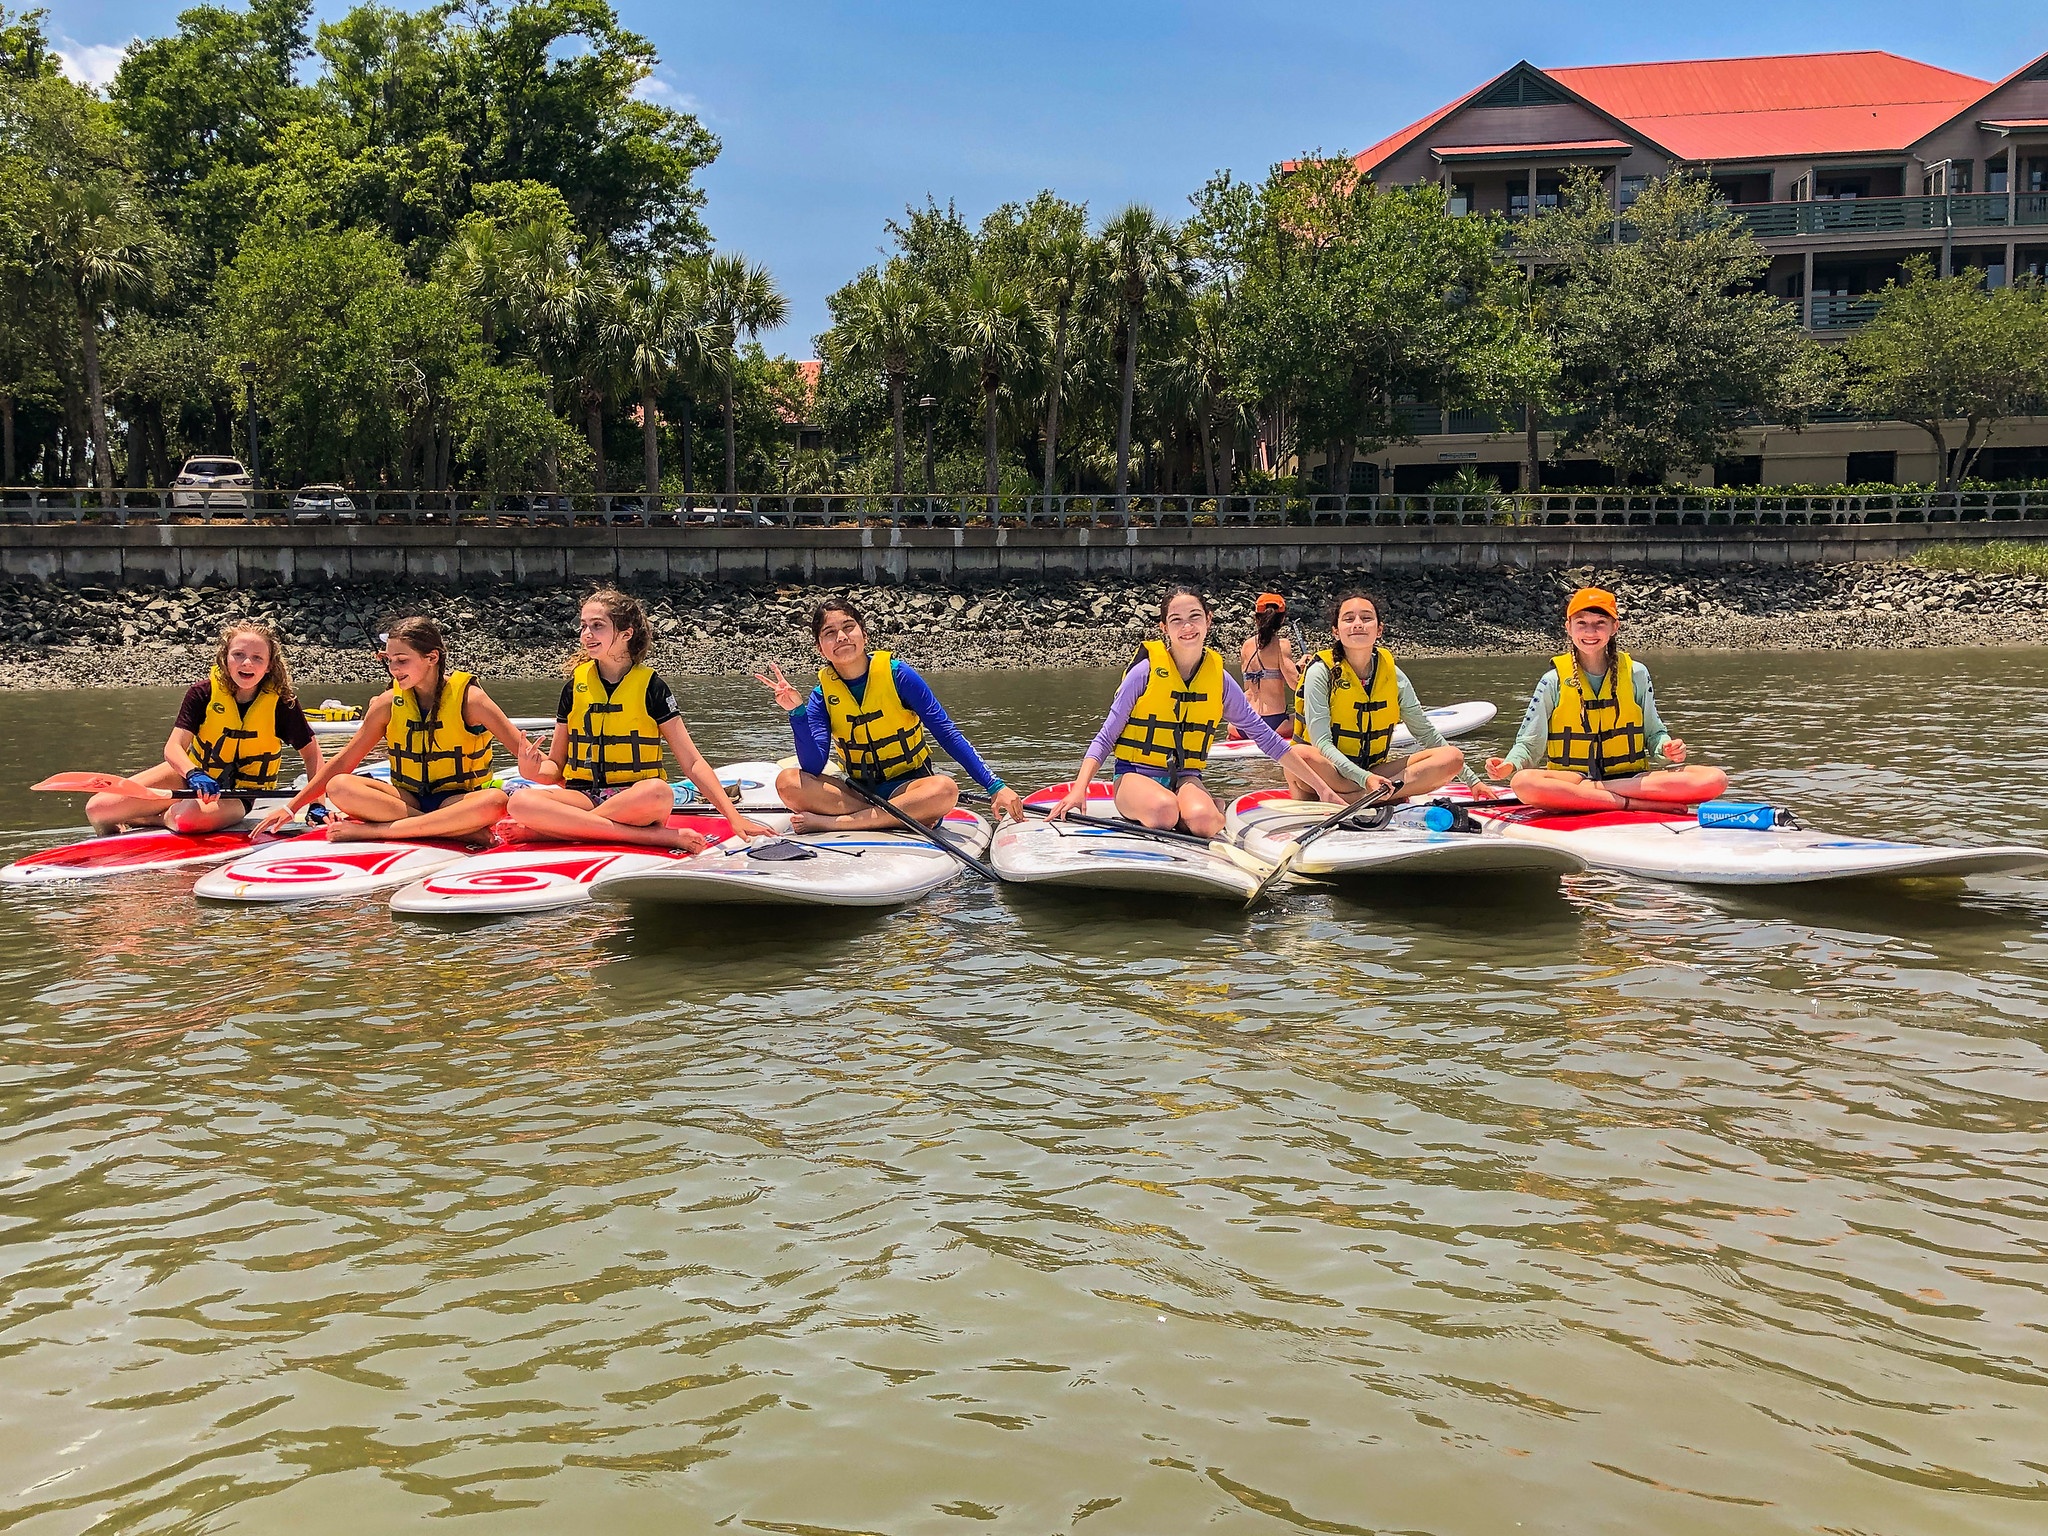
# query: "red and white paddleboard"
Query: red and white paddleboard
{"points": [[311, 868], [127, 853], [538, 876]]}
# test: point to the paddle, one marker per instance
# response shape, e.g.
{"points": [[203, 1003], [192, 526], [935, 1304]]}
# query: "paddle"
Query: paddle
{"points": [[1331, 823], [929, 834], [82, 783]]}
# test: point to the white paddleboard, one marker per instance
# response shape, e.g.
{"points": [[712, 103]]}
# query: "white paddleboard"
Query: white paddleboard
{"points": [[830, 869], [1265, 822], [750, 785], [1676, 847], [538, 876], [1077, 855], [311, 868], [1451, 720]]}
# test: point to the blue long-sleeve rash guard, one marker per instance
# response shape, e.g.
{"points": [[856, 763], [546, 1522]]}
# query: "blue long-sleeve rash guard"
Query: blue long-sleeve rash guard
{"points": [[811, 724]]}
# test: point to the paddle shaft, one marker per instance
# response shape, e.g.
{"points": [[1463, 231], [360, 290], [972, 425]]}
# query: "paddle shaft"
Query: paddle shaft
{"points": [[929, 834], [1116, 824], [1366, 802]]}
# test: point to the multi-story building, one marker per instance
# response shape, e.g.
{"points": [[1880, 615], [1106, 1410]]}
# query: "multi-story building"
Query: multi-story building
{"points": [[1843, 164]]}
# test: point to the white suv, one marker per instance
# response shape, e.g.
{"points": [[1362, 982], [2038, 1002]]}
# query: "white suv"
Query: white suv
{"points": [[211, 482]]}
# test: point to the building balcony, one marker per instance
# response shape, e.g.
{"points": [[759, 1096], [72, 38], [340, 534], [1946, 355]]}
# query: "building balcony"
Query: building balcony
{"points": [[1842, 312], [1890, 215]]}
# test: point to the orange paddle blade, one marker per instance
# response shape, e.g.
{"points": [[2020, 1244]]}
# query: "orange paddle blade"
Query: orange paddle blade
{"points": [[99, 783]]}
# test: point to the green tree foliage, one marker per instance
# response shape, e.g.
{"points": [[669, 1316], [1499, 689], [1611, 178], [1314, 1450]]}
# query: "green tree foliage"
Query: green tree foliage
{"points": [[1666, 341], [1943, 352]]}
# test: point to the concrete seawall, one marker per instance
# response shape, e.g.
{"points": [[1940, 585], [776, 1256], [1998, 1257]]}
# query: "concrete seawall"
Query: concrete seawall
{"points": [[228, 555]]}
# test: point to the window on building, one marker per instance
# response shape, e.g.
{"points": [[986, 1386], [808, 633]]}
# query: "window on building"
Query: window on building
{"points": [[1802, 190], [1960, 174], [1461, 199], [1631, 189], [1873, 469], [1747, 469], [1840, 188], [2037, 175]]}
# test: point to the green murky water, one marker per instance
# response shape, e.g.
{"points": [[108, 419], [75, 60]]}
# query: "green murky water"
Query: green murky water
{"points": [[1620, 1208]]}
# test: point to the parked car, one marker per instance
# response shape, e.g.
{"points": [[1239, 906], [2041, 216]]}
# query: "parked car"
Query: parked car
{"points": [[331, 501], [213, 482]]}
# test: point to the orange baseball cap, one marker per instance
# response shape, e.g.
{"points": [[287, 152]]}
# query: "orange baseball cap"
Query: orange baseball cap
{"points": [[1269, 600], [1593, 597]]}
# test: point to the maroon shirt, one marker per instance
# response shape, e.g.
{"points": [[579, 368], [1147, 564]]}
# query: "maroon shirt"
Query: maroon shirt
{"points": [[291, 720]]}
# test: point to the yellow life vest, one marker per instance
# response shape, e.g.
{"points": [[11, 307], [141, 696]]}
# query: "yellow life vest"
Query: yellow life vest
{"points": [[1176, 717], [239, 745], [1363, 715], [1597, 734], [613, 740], [880, 738], [438, 753]]}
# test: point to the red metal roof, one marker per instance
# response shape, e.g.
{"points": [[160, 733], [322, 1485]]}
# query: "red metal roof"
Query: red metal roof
{"points": [[1797, 104], [1554, 147], [1754, 109]]}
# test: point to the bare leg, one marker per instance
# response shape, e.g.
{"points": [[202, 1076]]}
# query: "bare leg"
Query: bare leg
{"points": [[1199, 812], [118, 813], [1557, 790], [1430, 770], [192, 818], [1146, 802], [821, 804], [370, 805], [637, 815]]}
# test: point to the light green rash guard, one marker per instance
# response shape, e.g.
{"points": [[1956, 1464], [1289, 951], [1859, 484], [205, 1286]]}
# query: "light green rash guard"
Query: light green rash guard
{"points": [[1532, 741], [1315, 709]]}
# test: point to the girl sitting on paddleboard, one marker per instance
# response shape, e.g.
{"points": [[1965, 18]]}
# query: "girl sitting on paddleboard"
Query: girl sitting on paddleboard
{"points": [[603, 767], [226, 744], [881, 718], [1272, 673], [1352, 696], [1593, 727], [436, 729], [1172, 703]]}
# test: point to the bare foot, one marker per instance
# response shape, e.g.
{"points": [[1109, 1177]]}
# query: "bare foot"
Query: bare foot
{"points": [[811, 821], [339, 831], [689, 842]]}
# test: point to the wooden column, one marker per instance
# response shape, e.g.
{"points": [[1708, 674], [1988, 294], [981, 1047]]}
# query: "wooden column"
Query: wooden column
{"points": [[1806, 299]]}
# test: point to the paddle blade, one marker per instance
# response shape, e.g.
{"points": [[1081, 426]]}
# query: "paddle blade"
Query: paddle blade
{"points": [[81, 783]]}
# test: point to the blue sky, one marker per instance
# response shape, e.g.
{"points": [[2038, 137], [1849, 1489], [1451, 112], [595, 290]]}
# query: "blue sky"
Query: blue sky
{"points": [[834, 117]]}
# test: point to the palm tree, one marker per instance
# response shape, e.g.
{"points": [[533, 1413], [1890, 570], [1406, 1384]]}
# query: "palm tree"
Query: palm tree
{"points": [[474, 265], [992, 323], [1148, 263], [660, 328], [1066, 266], [549, 290], [97, 243], [885, 327], [740, 296]]}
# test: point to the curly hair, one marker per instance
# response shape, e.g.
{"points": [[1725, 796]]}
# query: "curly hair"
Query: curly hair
{"points": [[278, 676]]}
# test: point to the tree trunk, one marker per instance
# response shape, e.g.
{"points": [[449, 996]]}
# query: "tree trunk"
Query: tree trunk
{"points": [[138, 452], [1052, 402], [1209, 453], [650, 440], [896, 420], [732, 463], [1123, 419], [593, 428], [1947, 481], [89, 346], [1532, 454], [689, 477], [6, 439], [990, 383]]}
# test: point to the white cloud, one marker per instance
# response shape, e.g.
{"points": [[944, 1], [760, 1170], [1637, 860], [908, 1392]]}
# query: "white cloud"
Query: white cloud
{"points": [[657, 90], [91, 64]]}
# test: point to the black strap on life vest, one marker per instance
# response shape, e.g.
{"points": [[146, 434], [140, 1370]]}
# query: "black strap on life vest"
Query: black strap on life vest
{"points": [[587, 749], [237, 771], [872, 758]]}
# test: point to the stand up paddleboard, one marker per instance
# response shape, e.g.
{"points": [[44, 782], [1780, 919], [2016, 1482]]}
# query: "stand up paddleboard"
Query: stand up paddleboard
{"points": [[540, 877], [1265, 822], [1074, 855], [311, 868], [1451, 720], [126, 853], [1674, 846], [751, 787], [812, 869]]}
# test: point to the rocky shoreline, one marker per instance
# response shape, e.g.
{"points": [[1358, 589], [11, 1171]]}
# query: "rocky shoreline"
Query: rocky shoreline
{"points": [[61, 637]]}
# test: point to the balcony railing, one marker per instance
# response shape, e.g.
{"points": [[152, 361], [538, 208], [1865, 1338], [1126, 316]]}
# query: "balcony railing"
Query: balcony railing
{"points": [[1882, 215], [776, 516], [1842, 311]]}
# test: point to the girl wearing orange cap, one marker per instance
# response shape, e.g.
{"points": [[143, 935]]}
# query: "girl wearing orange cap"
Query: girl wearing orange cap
{"points": [[1592, 735], [1266, 659]]}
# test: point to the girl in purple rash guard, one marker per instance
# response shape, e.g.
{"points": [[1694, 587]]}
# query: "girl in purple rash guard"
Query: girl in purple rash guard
{"points": [[1172, 704]]}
